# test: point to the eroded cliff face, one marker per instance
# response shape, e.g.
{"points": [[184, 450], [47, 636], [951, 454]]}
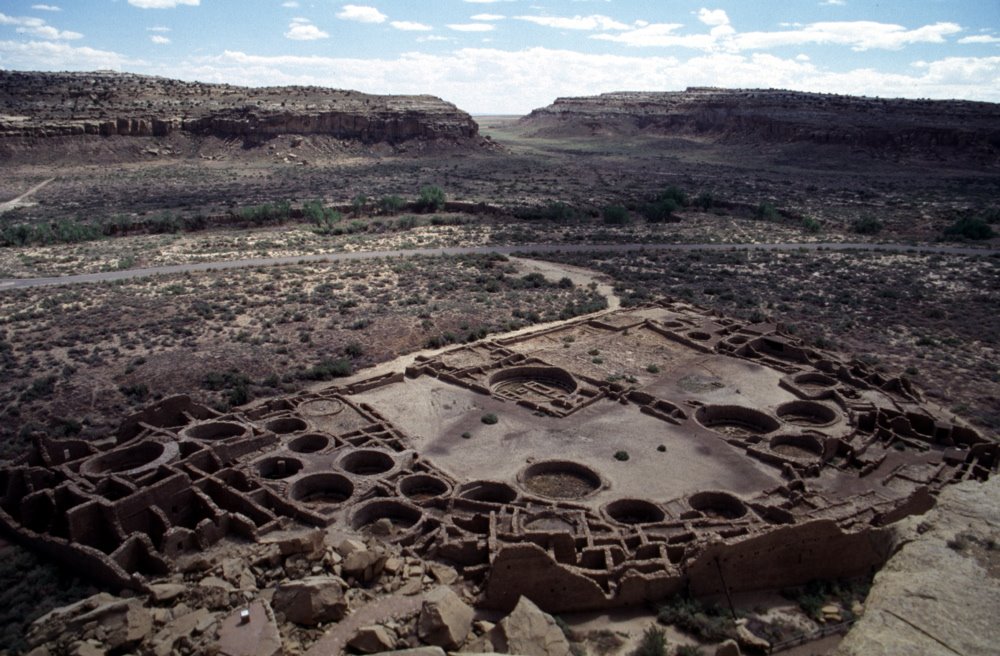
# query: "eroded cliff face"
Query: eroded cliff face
{"points": [[35, 105], [740, 115]]}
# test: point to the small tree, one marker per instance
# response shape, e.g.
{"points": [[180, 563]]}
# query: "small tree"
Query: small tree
{"points": [[615, 215], [431, 199]]}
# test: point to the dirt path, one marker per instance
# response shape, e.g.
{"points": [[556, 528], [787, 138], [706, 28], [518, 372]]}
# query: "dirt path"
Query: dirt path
{"points": [[528, 249], [18, 201]]}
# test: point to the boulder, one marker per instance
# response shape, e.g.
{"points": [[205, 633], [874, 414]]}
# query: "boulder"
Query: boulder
{"points": [[728, 648], [363, 566], [747, 638], [162, 593], [122, 623], [373, 639], [311, 600], [418, 651], [255, 635], [294, 542], [184, 626], [530, 632], [445, 620]]}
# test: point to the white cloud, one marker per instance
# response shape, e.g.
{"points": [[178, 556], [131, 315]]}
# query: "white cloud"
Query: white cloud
{"points": [[48, 55], [471, 27], [361, 14], [834, 3], [979, 38], [487, 17], [486, 80], [46, 7], [162, 4], [37, 27], [290, 4], [159, 39], [302, 29], [408, 26], [486, 2], [858, 35], [158, 28], [593, 22], [713, 16], [432, 37]]}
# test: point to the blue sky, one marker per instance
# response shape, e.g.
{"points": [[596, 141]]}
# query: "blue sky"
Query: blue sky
{"points": [[511, 56]]}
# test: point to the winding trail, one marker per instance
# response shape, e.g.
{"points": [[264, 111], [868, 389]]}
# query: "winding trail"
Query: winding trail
{"points": [[524, 249], [17, 201]]}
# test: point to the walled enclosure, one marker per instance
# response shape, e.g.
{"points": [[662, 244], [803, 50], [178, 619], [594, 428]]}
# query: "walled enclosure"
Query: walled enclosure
{"points": [[635, 455]]}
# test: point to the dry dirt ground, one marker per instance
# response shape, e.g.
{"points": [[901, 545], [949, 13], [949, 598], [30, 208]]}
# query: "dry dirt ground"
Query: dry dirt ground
{"points": [[74, 360]]}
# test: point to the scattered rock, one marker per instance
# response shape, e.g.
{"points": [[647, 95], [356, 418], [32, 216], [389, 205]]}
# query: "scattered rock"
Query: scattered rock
{"points": [[162, 593], [728, 648], [363, 566], [123, 623], [311, 600], [294, 542], [373, 639], [747, 638], [530, 632], [445, 620], [257, 636], [184, 626]]}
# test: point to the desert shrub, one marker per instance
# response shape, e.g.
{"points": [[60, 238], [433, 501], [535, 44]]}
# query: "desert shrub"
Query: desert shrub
{"points": [[555, 211], [970, 227], [354, 350], [653, 643], [810, 224], [234, 384], [706, 621], [615, 215], [390, 204], [406, 223], [689, 650], [316, 213], [660, 210], [358, 204], [766, 212], [704, 201], [328, 369], [621, 455], [490, 418], [40, 388], [267, 213], [867, 225], [135, 393], [431, 199]]}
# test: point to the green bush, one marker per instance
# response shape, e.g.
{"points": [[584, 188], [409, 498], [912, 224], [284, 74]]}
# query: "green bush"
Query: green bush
{"points": [[706, 621], [867, 225], [615, 215], [704, 201], [268, 213], [810, 224], [621, 455], [390, 204], [431, 199], [490, 418], [766, 212], [555, 211], [327, 369], [970, 227], [661, 210], [653, 643]]}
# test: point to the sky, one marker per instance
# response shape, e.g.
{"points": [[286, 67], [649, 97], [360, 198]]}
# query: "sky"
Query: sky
{"points": [[512, 56]]}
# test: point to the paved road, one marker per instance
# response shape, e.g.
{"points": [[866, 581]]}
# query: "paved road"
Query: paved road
{"points": [[108, 276]]}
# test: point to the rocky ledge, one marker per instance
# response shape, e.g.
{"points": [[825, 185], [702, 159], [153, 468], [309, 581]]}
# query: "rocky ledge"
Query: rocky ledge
{"points": [[769, 115], [103, 103]]}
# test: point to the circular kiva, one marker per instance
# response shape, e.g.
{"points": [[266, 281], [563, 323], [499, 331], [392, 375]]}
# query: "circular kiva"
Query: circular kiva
{"points": [[717, 505], [634, 511], [277, 468], [367, 462], [286, 425], [551, 377], [422, 487], [487, 492], [400, 514], [560, 479], [310, 443], [812, 381], [215, 430], [321, 407], [699, 336], [797, 446], [322, 489], [806, 413], [131, 460], [735, 420]]}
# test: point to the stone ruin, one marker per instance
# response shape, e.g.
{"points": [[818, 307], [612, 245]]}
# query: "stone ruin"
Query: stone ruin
{"points": [[729, 457]]}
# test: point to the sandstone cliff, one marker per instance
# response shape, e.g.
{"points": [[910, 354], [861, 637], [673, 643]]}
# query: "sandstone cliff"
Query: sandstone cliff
{"points": [[34, 105], [753, 115]]}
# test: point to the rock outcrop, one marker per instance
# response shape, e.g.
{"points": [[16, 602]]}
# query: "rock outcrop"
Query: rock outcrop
{"points": [[939, 594], [890, 126], [311, 600], [104, 103], [445, 620], [529, 631]]}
